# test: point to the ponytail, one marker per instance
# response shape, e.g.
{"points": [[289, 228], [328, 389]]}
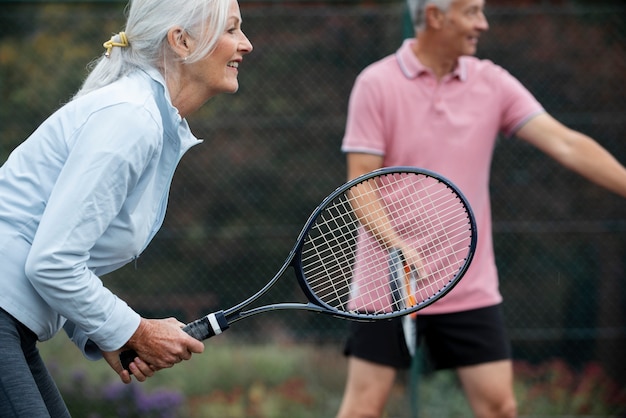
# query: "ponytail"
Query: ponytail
{"points": [[143, 43]]}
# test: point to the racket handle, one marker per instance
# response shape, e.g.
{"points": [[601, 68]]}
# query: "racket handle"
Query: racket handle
{"points": [[200, 329], [208, 326], [127, 357]]}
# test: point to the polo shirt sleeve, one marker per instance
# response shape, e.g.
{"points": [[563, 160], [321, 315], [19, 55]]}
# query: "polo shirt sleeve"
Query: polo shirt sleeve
{"points": [[364, 125], [518, 104], [105, 158]]}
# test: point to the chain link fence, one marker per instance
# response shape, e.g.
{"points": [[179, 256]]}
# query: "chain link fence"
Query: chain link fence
{"points": [[271, 153]]}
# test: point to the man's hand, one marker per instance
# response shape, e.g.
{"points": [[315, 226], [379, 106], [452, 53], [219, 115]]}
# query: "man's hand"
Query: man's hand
{"points": [[414, 259]]}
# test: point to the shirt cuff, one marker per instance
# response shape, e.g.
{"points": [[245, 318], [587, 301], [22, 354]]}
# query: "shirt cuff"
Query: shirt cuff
{"points": [[89, 349], [118, 329]]}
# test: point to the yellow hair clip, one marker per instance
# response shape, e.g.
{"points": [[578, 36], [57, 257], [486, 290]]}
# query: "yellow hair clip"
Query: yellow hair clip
{"points": [[111, 43]]}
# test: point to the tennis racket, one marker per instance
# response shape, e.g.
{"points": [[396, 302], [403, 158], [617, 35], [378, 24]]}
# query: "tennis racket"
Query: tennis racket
{"points": [[341, 257]]}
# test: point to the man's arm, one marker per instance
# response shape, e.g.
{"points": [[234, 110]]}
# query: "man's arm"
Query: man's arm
{"points": [[361, 163], [575, 151]]}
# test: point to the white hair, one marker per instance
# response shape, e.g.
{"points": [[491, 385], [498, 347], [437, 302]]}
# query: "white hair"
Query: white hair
{"points": [[417, 7], [146, 29]]}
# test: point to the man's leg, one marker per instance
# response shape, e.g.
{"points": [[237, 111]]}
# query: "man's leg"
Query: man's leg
{"points": [[375, 350], [489, 389], [367, 389], [474, 343]]}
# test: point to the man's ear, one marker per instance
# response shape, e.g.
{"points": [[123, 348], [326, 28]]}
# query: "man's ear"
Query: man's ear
{"points": [[179, 41], [433, 16]]}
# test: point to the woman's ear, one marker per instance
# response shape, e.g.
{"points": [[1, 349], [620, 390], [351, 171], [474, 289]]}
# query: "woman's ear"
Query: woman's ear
{"points": [[179, 41]]}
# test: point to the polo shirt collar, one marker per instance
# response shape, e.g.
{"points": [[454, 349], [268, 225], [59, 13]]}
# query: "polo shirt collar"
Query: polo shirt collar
{"points": [[412, 68]]}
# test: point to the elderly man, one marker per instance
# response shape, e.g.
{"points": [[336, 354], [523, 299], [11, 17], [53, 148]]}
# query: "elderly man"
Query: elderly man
{"points": [[433, 105]]}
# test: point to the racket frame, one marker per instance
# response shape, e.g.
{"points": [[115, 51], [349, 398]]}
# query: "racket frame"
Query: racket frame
{"points": [[294, 260]]}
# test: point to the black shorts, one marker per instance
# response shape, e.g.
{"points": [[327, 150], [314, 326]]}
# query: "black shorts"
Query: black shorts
{"points": [[450, 340]]}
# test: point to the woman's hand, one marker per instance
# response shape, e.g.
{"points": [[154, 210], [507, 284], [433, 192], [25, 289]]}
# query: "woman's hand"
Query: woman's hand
{"points": [[140, 369], [161, 343]]}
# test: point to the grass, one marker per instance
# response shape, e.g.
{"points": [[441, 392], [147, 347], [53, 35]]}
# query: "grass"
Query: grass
{"points": [[230, 379], [236, 379]]}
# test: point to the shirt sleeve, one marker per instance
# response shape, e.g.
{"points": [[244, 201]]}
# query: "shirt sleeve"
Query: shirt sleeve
{"points": [[518, 104], [105, 159], [364, 125]]}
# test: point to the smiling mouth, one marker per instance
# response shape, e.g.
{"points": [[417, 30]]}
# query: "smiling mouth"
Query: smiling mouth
{"points": [[233, 64]]}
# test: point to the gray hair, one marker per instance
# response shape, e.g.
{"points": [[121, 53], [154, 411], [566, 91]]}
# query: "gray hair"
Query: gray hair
{"points": [[417, 7], [146, 29]]}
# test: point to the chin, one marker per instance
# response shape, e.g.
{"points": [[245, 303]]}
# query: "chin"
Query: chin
{"points": [[233, 88]]}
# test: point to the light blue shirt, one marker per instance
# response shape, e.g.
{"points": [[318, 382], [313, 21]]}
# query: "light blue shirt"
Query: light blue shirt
{"points": [[81, 197]]}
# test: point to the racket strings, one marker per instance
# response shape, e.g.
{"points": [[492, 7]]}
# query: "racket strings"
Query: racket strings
{"points": [[345, 263], [329, 254], [339, 292], [441, 208]]}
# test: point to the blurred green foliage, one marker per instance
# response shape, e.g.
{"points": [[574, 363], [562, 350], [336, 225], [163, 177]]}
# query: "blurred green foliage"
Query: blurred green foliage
{"points": [[271, 153]]}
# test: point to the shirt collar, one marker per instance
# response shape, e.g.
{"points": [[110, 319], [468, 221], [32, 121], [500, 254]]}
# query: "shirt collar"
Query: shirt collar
{"points": [[179, 124], [155, 75], [412, 68]]}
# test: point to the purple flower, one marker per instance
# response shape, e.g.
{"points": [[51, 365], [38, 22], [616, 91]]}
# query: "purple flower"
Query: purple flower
{"points": [[163, 401]]}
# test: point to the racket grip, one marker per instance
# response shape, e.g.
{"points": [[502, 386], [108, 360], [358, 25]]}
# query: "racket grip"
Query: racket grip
{"points": [[200, 329], [127, 357], [208, 326]]}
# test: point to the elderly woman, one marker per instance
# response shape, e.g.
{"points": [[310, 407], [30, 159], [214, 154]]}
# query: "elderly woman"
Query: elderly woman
{"points": [[87, 191]]}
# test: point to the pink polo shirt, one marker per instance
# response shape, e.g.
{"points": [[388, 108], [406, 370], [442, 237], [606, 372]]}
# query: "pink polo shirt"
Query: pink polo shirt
{"points": [[398, 110]]}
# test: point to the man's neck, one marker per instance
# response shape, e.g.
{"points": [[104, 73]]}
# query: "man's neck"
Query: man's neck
{"points": [[434, 57]]}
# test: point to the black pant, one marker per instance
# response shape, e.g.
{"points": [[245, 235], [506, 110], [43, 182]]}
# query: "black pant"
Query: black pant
{"points": [[26, 388]]}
